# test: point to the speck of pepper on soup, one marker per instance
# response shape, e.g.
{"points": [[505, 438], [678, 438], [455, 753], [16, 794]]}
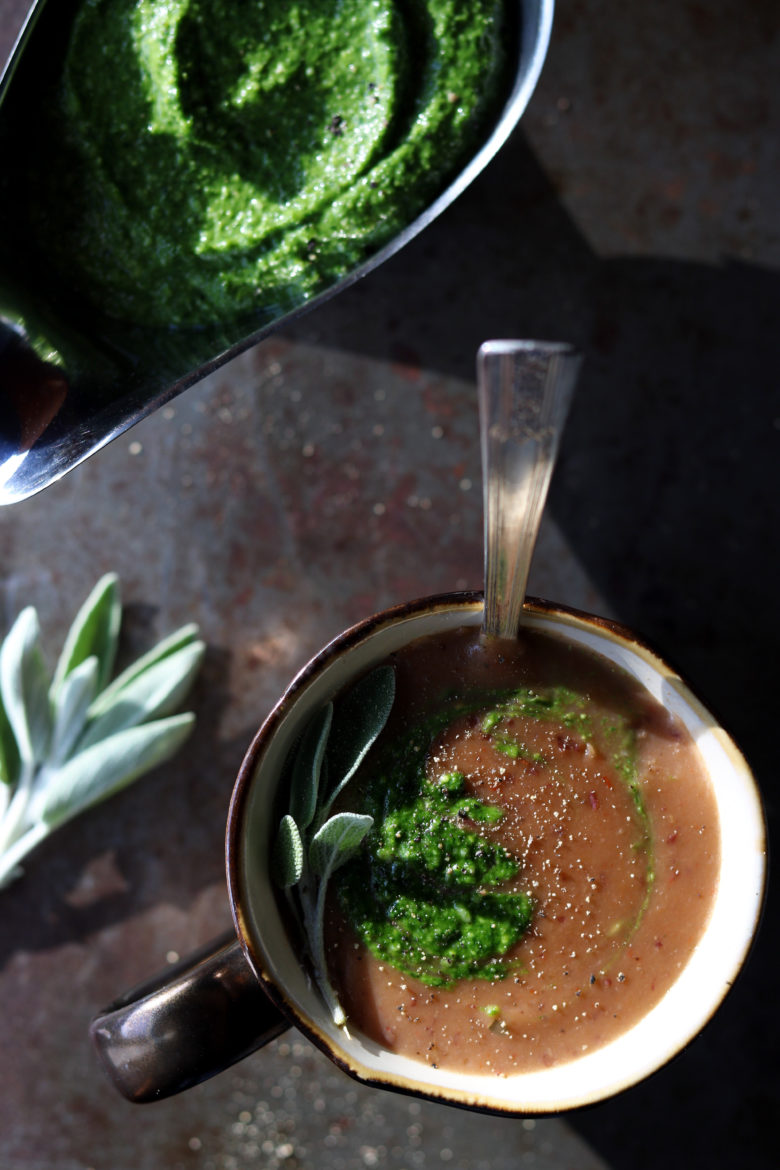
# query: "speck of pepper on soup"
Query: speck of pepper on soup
{"points": [[543, 858]]}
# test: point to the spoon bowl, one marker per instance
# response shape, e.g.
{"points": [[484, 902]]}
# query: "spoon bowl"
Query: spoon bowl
{"points": [[54, 414]]}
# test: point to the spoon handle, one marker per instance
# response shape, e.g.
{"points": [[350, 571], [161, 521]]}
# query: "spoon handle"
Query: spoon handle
{"points": [[524, 390]]}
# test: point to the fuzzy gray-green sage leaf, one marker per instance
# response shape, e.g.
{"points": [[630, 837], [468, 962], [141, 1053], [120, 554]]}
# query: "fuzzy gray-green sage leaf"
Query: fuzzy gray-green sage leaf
{"points": [[69, 742], [287, 860], [310, 844]]}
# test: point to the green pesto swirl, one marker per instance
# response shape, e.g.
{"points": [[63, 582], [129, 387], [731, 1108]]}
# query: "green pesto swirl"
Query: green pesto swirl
{"points": [[428, 894]]}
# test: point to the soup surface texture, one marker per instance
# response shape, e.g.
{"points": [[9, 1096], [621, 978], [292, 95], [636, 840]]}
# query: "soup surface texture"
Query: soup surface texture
{"points": [[542, 861]]}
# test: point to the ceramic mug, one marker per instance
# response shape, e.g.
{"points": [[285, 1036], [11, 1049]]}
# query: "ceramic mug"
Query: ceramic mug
{"points": [[219, 1006]]}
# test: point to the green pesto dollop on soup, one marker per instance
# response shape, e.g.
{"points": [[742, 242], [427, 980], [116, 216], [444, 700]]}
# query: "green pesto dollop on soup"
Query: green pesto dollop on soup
{"points": [[430, 893], [232, 157]]}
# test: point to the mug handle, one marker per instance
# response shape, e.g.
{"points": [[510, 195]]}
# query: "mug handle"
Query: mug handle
{"points": [[186, 1024]]}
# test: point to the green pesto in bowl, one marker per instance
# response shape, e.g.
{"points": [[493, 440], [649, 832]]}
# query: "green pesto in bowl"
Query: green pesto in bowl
{"points": [[205, 160]]}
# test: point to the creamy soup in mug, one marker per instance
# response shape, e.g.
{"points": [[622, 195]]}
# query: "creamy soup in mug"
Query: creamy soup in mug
{"points": [[542, 861]]}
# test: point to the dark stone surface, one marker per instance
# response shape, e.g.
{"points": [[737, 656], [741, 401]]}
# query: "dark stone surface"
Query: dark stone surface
{"points": [[334, 470]]}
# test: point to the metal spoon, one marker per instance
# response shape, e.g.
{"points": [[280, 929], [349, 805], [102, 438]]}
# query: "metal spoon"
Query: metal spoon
{"points": [[524, 390]]}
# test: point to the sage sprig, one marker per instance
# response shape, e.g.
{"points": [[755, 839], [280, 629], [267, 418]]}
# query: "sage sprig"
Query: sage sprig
{"points": [[311, 842], [69, 741]]}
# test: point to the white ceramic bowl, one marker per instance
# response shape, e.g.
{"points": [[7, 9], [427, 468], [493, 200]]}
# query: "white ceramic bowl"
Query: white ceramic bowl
{"points": [[668, 1026]]}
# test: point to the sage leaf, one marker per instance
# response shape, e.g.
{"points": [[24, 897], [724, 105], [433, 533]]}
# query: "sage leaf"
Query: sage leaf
{"points": [[164, 649], [358, 719], [106, 767], [70, 709], [24, 688], [307, 767], [336, 841], [310, 845], [69, 741], [331, 846], [95, 630], [287, 855], [9, 750], [155, 692]]}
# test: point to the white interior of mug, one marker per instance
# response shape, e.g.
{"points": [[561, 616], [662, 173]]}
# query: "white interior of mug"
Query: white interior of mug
{"points": [[668, 1026]]}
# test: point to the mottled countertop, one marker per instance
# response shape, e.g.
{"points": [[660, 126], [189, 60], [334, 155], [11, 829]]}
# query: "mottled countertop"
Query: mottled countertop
{"points": [[334, 469]]}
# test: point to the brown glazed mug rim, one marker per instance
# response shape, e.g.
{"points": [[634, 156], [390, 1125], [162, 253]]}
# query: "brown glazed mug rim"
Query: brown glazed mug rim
{"points": [[479, 1092]]}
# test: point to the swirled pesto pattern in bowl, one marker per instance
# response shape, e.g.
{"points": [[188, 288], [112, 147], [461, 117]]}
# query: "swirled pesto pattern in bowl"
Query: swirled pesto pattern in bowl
{"points": [[227, 157]]}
